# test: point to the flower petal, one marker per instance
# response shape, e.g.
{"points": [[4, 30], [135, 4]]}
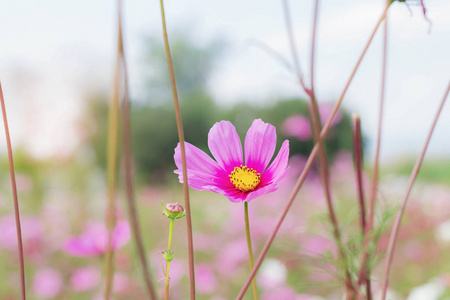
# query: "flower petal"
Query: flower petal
{"points": [[225, 145], [279, 167], [272, 187], [234, 195], [121, 234], [260, 143], [204, 174]]}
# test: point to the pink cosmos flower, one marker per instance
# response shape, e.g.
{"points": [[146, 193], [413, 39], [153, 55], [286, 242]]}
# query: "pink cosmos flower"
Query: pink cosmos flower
{"points": [[325, 110], [47, 283], [207, 282], [231, 257], [85, 279], [297, 126], [229, 175], [32, 233], [94, 241]]}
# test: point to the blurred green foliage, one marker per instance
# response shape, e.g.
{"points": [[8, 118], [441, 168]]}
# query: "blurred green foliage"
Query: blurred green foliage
{"points": [[154, 132], [433, 170]]}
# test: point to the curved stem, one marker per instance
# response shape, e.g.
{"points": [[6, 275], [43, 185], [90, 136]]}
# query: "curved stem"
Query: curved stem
{"points": [[412, 178], [131, 201], [294, 52], [169, 246], [187, 205], [16, 200], [308, 164], [249, 246]]}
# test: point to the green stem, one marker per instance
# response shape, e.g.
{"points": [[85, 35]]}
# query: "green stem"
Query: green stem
{"points": [[169, 245], [249, 245], [112, 153]]}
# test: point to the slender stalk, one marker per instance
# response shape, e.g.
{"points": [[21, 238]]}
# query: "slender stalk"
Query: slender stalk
{"points": [[323, 162], [16, 200], [126, 144], [316, 122], [169, 246], [375, 175], [364, 273], [412, 178], [357, 150], [294, 52], [183, 155], [313, 44], [112, 156], [357, 153], [272, 53], [249, 246], [308, 164]]}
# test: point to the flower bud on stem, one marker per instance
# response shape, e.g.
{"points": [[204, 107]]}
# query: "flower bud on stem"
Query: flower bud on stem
{"points": [[172, 211]]}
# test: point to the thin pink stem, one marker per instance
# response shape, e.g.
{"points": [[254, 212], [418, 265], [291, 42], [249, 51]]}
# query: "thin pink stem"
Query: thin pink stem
{"points": [[294, 53], [323, 162], [357, 149], [364, 273], [313, 45], [16, 200], [126, 134], [380, 127], [183, 154], [357, 153], [412, 178], [308, 164]]}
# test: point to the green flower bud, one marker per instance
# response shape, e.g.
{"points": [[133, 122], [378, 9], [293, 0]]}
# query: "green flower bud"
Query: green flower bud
{"points": [[168, 255]]}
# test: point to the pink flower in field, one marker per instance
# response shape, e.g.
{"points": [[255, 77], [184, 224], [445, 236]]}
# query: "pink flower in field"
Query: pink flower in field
{"points": [[297, 126], [317, 245], [228, 174], [94, 241], [206, 281], [121, 282], [32, 233], [47, 283], [325, 111], [232, 256], [85, 279]]}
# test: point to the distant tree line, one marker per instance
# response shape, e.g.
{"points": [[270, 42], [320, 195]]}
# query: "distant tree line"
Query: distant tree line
{"points": [[154, 132]]}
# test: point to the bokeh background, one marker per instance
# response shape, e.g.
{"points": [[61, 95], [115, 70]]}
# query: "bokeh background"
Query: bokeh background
{"points": [[56, 65]]}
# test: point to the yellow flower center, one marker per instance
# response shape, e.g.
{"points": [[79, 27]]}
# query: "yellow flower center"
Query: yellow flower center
{"points": [[245, 179]]}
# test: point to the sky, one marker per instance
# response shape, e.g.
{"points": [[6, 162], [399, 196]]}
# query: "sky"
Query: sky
{"points": [[54, 53]]}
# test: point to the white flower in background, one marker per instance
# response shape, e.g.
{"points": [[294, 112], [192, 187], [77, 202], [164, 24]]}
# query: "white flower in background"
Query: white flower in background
{"points": [[443, 232], [273, 273], [429, 291]]}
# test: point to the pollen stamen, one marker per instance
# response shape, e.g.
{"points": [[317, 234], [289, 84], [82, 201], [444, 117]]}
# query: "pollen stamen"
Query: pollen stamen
{"points": [[245, 179]]}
